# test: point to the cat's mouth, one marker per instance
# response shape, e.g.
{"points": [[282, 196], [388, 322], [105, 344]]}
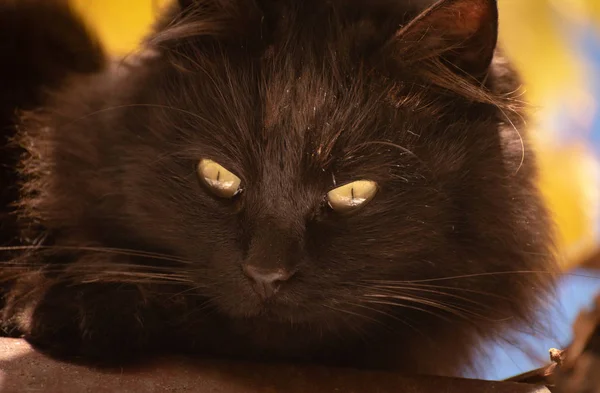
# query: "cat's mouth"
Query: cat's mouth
{"points": [[284, 314], [285, 307], [272, 309], [293, 301]]}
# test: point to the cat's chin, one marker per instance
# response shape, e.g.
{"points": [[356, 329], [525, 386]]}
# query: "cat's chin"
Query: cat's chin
{"points": [[291, 306], [276, 310], [268, 311]]}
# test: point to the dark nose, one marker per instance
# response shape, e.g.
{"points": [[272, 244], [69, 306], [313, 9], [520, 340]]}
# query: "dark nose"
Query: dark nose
{"points": [[266, 282]]}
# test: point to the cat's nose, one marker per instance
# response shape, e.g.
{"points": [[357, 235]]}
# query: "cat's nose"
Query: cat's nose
{"points": [[266, 282]]}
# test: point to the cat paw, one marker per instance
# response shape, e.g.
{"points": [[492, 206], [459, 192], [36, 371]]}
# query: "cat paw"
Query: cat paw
{"points": [[97, 323]]}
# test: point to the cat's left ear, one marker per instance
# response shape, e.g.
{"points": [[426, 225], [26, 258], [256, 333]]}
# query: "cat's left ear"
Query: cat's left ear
{"points": [[463, 33]]}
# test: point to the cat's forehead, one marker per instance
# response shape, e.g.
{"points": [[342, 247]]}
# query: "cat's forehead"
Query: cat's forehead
{"points": [[283, 110], [304, 117], [296, 100]]}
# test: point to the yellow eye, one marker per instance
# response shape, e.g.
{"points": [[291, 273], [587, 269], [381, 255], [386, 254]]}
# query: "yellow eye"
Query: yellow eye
{"points": [[351, 196], [218, 179]]}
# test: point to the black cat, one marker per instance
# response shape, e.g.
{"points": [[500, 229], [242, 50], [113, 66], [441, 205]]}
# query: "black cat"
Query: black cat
{"points": [[342, 182]]}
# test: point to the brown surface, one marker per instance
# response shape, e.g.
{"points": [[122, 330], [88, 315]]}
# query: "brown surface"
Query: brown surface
{"points": [[22, 371]]}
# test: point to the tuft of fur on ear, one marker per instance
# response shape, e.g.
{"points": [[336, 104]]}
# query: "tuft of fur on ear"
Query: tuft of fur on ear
{"points": [[461, 33]]}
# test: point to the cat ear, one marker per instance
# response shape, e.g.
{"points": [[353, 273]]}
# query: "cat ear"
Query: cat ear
{"points": [[463, 33]]}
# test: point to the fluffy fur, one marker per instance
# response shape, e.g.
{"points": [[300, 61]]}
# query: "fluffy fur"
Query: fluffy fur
{"points": [[132, 254]]}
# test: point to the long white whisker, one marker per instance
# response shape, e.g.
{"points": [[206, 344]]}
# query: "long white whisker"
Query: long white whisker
{"points": [[121, 251], [390, 289], [452, 309], [408, 306], [464, 276]]}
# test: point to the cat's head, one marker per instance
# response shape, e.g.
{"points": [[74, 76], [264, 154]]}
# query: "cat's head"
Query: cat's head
{"points": [[314, 162]]}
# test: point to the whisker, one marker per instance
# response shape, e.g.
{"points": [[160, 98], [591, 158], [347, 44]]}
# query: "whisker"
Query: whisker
{"points": [[191, 289], [489, 294], [404, 322], [127, 280], [445, 294], [351, 313], [63, 266], [409, 285], [121, 251], [138, 274], [389, 303], [450, 308], [472, 276], [87, 273]]}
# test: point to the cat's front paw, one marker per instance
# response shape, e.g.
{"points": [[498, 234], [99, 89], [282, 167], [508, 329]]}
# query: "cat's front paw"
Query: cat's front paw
{"points": [[98, 323]]}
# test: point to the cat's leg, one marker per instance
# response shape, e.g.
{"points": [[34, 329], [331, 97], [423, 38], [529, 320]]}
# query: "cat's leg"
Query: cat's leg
{"points": [[100, 322]]}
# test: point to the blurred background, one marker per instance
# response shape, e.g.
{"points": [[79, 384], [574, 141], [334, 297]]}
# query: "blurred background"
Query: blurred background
{"points": [[556, 46]]}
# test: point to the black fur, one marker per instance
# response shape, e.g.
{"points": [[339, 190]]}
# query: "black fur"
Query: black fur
{"points": [[42, 43], [294, 98]]}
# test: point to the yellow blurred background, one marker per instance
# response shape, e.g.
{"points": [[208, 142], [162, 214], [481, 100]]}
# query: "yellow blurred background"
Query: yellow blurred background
{"points": [[557, 81]]}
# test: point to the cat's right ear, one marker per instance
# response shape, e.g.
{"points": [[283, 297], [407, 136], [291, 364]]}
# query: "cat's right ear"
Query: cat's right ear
{"points": [[459, 33]]}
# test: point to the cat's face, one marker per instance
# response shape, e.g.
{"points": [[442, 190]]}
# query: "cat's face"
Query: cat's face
{"points": [[314, 181], [264, 178]]}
